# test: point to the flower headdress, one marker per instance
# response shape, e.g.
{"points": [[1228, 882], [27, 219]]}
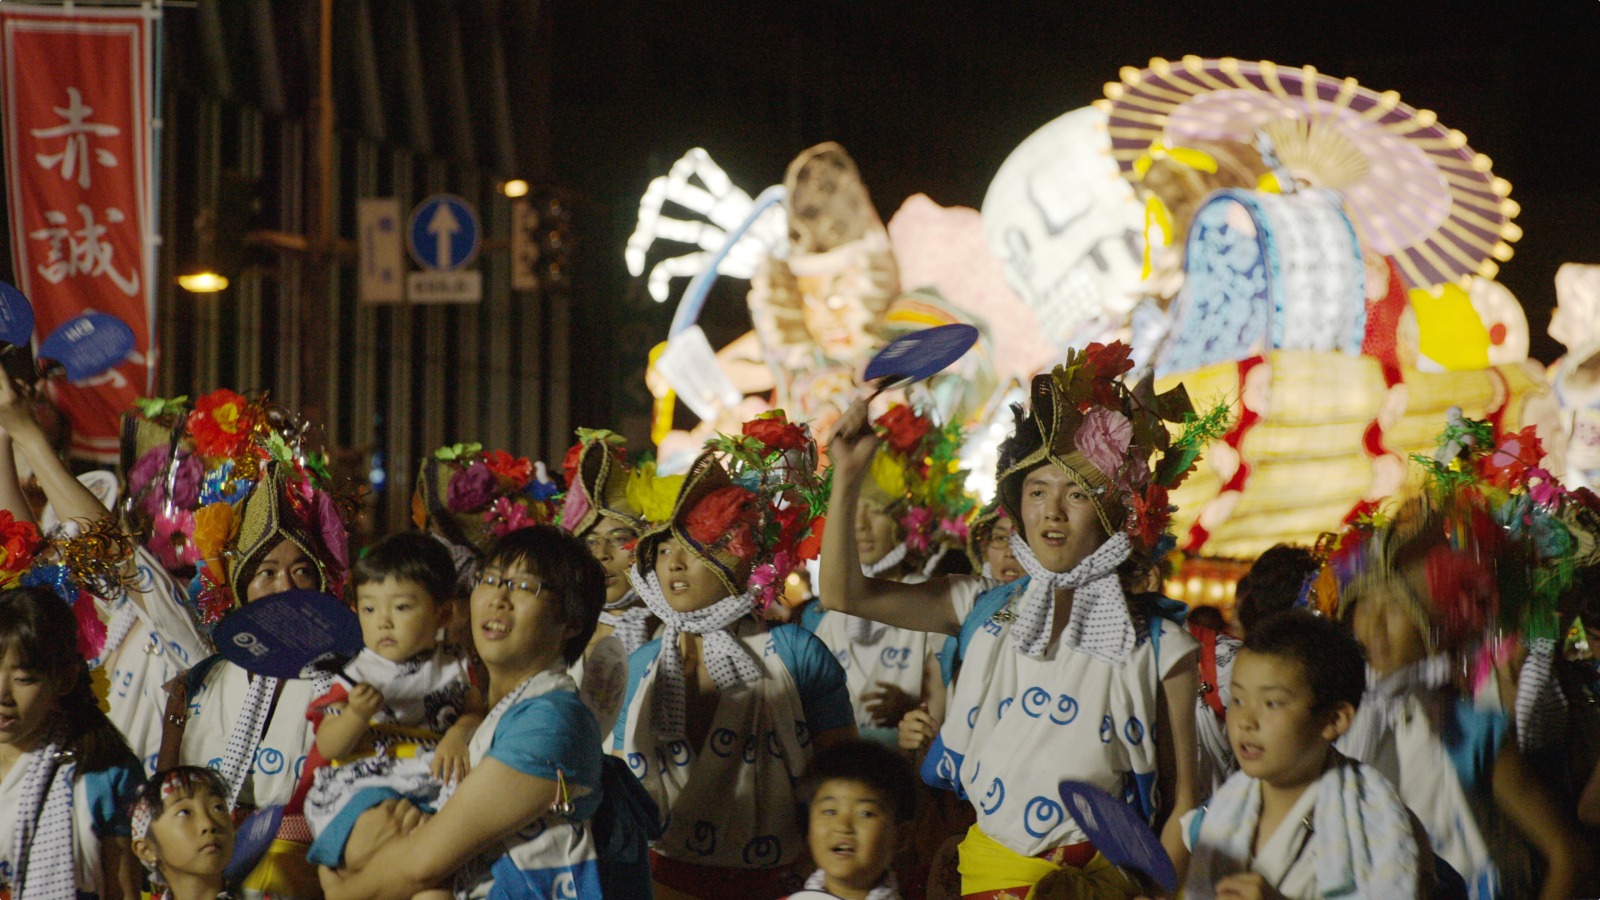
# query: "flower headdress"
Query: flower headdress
{"points": [[470, 496], [163, 475], [19, 546], [260, 486], [917, 477], [751, 507], [1112, 441]]}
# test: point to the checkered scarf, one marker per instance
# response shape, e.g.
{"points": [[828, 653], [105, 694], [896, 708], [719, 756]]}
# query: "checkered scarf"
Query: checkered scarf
{"points": [[42, 848], [632, 623], [1100, 624], [730, 663]]}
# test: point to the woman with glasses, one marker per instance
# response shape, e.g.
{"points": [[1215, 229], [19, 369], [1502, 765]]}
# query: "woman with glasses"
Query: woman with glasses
{"points": [[519, 823]]}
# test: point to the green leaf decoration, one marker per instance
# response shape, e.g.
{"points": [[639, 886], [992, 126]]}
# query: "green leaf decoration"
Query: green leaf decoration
{"points": [[457, 452]]}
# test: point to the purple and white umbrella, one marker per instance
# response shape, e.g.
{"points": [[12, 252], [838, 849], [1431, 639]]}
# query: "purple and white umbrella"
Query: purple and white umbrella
{"points": [[1413, 187]]}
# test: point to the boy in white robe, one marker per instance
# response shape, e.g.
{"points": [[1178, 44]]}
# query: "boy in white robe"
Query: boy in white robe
{"points": [[1300, 819]]}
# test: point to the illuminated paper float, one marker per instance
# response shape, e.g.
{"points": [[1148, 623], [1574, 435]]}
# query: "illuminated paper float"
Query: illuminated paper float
{"points": [[1320, 437]]}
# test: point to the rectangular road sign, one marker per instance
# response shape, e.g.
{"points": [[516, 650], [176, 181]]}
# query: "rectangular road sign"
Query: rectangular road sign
{"points": [[445, 287]]}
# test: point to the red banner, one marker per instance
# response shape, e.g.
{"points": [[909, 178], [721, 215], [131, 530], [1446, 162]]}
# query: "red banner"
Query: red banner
{"points": [[77, 96]]}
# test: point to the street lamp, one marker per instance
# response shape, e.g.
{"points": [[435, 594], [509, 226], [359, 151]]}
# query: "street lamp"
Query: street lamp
{"points": [[203, 282]]}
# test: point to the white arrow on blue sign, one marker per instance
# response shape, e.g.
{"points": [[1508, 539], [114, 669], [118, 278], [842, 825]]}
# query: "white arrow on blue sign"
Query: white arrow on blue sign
{"points": [[444, 233]]}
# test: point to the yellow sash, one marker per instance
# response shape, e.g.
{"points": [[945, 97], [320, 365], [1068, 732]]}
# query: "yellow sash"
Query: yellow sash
{"points": [[988, 865]]}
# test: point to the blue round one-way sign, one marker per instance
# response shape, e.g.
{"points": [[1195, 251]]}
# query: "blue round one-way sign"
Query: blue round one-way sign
{"points": [[444, 233]]}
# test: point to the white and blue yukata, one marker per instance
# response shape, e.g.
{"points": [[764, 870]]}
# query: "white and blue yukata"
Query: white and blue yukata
{"points": [[256, 737], [144, 650], [872, 653], [97, 811], [757, 745], [542, 728], [1348, 835], [1439, 749], [1088, 719]]}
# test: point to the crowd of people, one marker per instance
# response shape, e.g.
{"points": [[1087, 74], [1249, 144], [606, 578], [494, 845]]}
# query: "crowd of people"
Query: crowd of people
{"points": [[791, 671]]}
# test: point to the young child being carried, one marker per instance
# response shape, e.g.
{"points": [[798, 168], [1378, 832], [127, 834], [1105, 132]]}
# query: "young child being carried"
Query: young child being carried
{"points": [[405, 707], [861, 800], [1300, 819]]}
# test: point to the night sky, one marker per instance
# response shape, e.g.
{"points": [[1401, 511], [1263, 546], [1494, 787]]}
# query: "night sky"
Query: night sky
{"points": [[931, 97]]}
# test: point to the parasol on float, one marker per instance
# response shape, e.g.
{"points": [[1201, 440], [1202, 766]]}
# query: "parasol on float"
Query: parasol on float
{"points": [[1414, 189]]}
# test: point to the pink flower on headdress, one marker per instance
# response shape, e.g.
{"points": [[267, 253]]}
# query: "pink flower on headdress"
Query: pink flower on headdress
{"points": [[185, 487], [505, 517], [330, 526], [471, 488], [764, 582], [917, 522], [172, 541], [1103, 439], [956, 528], [575, 507]]}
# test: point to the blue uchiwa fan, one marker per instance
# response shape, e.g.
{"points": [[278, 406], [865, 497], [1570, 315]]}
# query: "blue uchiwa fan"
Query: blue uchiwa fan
{"points": [[251, 842], [1119, 833], [281, 635], [86, 346], [919, 355], [16, 316]]}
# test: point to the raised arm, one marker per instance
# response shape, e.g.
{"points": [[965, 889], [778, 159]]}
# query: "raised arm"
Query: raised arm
{"points": [[66, 493], [12, 499], [920, 607]]}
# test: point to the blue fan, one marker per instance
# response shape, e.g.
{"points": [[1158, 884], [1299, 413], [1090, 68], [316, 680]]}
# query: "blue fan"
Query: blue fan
{"points": [[281, 635], [1117, 831], [919, 355], [16, 316], [251, 842], [86, 346]]}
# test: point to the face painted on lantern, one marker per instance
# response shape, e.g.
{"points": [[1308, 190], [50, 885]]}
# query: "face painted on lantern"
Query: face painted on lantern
{"points": [[611, 543], [877, 531], [842, 326], [687, 581], [285, 568], [1059, 519], [1389, 633]]}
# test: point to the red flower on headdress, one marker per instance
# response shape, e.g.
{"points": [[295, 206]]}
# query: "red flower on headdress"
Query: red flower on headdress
{"points": [[569, 464], [1509, 463], [776, 433], [1150, 514], [1104, 363], [19, 540], [514, 470], [221, 423], [905, 429], [811, 546], [726, 514]]}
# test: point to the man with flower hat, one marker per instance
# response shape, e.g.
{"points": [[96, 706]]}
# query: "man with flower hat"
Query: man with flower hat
{"points": [[1063, 677], [723, 714], [913, 493]]}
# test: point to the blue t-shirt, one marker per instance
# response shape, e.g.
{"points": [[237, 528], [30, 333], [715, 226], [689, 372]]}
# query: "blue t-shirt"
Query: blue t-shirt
{"points": [[824, 695], [550, 734]]}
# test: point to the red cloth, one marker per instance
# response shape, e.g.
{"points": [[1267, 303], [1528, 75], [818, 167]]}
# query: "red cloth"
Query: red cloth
{"points": [[719, 881]]}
